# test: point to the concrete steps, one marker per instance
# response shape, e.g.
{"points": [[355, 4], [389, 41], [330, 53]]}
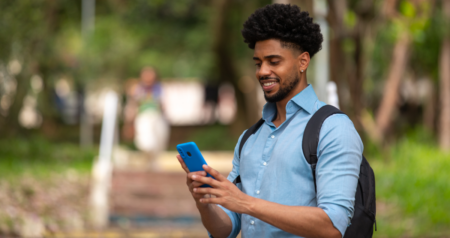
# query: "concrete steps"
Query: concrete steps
{"points": [[151, 198]]}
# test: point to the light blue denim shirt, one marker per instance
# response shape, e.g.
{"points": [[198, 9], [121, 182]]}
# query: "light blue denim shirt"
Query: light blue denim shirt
{"points": [[272, 166]]}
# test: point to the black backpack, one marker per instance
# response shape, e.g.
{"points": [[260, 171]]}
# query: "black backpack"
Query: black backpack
{"points": [[363, 219]]}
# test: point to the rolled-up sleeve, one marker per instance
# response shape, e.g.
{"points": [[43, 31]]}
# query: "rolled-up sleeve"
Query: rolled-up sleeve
{"points": [[235, 220], [235, 217], [339, 158]]}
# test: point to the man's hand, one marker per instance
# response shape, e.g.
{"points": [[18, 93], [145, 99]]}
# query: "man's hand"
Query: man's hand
{"points": [[214, 218], [225, 192], [191, 183]]}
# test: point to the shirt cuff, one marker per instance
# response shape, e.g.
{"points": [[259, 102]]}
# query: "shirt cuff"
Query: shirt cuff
{"points": [[338, 215], [235, 221]]}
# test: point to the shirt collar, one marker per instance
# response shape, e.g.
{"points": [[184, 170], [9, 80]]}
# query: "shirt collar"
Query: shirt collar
{"points": [[306, 99]]}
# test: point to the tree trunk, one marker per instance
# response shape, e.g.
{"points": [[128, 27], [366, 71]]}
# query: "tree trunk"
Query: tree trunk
{"points": [[31, 65], [388, 103], [364, 11], [338, 61], [389, 8], [356, 76], [444, 75], [429, 115]]}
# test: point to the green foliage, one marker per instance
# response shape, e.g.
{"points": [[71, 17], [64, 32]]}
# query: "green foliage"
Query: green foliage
{"points": [[40, 157], [173, 36], [414, 18], [350, 19], [412, 188], [426, 52], [425, 27], [27, 28], [407, 9], [381, 53]]}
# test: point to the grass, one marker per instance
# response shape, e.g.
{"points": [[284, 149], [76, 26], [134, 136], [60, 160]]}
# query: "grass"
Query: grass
{"points": [[412, 188], [39, 157]]}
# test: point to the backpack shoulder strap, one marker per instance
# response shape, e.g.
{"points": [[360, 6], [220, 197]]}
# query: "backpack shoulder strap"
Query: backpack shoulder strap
{"points": [[252, 130], [312, 133]]}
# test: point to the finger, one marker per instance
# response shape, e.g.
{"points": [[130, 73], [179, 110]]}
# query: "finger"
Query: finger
{"points": [[189, 182], [196, 184], [189, 177], [214, 173], [199, 173], [212, 191], [206, 180], [183, 165]]}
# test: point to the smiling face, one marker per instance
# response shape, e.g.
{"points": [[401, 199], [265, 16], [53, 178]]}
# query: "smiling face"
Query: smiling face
{"points": [[278, 69]]}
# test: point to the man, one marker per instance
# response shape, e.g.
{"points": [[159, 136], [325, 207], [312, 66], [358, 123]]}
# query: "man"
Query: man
{"points": [[278, 197]]}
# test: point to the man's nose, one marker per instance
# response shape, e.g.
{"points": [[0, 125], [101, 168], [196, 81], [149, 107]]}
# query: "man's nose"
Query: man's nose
{"points": [[264, 70]]}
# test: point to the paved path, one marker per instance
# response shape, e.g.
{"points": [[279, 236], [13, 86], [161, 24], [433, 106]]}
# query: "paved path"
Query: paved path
{"points": [[167, 162]]}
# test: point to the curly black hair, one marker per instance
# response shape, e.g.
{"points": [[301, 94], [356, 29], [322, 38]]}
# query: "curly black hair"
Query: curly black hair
{"points": [[293, 27]]}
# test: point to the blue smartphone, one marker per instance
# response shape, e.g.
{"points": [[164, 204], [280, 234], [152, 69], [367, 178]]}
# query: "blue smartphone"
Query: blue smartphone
{"points": [[192, 158]]}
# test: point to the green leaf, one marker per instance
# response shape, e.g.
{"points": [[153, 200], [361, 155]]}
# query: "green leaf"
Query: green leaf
{"points": [[407, 9]]}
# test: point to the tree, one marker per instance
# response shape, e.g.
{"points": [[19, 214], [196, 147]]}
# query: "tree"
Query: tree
{"points": [[24, 33], [224, 69], [412, 18], [350, 21], [444, 75]]}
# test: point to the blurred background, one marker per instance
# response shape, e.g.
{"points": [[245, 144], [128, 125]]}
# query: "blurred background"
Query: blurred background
{"points": [[95, 96]]}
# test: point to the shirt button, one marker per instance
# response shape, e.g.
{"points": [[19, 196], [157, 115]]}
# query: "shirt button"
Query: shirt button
{"points": [[257, 192], [264, 163], [252, 222], [272, 136]]}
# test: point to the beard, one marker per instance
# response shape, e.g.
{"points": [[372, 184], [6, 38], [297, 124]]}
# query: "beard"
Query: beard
{"points": [[284, 90]]}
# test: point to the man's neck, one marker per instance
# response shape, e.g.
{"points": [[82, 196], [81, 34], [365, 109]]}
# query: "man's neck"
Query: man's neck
{"points": [[281, 105]]}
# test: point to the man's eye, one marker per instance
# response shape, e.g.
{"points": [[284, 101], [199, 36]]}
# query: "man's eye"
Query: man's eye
{"points": [[258, 65], [274, 62]]}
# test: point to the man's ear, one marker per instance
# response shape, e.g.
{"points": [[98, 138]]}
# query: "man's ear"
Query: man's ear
{"points": [[303, 60]]}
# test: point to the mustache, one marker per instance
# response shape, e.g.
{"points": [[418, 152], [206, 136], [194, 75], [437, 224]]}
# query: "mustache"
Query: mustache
{"points": [[267, 77]]}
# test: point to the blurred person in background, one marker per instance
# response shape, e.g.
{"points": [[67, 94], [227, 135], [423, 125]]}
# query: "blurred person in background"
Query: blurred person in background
{"points": [[143, 117]]}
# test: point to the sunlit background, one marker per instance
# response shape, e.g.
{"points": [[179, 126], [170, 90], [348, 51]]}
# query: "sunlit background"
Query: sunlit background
{"points": [[86, 147]]}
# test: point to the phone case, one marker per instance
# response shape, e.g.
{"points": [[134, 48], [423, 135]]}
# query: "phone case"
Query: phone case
{"points": [[192, 158]]}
